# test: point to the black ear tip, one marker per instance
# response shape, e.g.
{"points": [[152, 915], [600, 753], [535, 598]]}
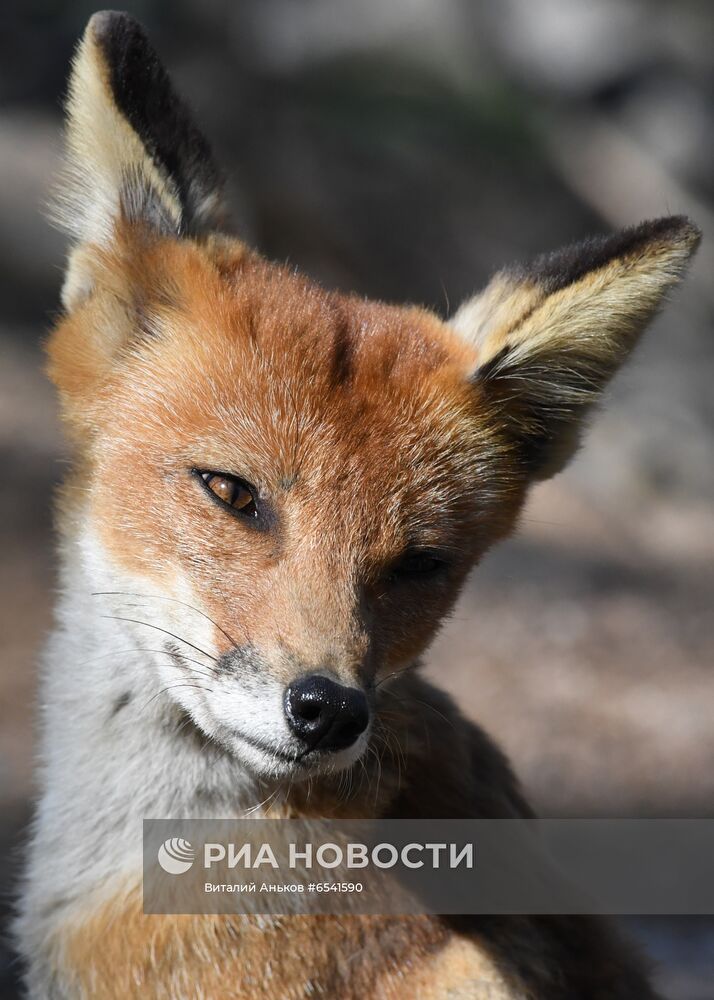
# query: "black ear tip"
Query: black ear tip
{"points": [[107, 24], [128, 53], [122, 41], [554, 271], [672, 228], [121, 38]]}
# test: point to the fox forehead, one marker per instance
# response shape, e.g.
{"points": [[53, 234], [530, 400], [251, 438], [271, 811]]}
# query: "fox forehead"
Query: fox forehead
{"points": [[251, 369]]}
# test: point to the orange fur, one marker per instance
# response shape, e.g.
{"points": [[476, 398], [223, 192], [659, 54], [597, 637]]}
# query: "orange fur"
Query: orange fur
{"points": [[120, 952], [371, 431]]}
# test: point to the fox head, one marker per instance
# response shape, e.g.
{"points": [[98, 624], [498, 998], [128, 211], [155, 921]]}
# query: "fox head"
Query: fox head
{"points": [[291, 484]]}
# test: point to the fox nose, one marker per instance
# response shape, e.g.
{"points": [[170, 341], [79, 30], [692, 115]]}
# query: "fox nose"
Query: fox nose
{"points": [[321, 712]]}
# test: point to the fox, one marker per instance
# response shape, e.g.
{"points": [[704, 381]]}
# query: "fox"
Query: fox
{"points": [[275, 495]]}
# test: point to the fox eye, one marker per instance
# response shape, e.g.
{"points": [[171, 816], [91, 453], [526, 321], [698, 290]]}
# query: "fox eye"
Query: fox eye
{"points": [[231, 491], [414, 565]]}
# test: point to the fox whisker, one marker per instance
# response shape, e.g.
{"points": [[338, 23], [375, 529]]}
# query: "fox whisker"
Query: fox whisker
{"points": [[144, 649], [156, 597], [418, 701], [396, 673], [266, 801], [136, 621], [170, 687]]}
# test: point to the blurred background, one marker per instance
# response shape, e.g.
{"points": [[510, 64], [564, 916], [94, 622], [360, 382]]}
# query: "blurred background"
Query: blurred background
{"points": [[404, 149]]}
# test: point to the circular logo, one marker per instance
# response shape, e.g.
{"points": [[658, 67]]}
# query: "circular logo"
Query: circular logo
{"points": [[176, 856]]}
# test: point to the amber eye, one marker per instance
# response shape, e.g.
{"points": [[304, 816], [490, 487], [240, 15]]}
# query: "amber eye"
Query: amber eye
{"points": [[232, 491]]}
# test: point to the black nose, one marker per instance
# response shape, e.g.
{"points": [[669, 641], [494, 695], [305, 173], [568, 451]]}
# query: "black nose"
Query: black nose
{"points": [[322, 712]]}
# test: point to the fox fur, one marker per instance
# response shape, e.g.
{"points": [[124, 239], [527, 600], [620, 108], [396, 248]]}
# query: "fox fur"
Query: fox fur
{"points": [[369, 432]]}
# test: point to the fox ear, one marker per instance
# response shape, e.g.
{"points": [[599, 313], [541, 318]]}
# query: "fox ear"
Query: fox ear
{"points": [[133, 151], [551, 335]]}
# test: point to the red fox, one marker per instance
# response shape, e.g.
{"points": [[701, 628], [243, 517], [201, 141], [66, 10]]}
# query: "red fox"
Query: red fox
{"points": [[276, 494]]}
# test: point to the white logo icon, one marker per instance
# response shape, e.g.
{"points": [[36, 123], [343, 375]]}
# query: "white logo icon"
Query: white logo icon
{"points": [[176, 856]]}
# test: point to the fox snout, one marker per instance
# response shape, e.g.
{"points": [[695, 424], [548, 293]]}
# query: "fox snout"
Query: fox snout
{"points": [[279, 714], [325, 715]]}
